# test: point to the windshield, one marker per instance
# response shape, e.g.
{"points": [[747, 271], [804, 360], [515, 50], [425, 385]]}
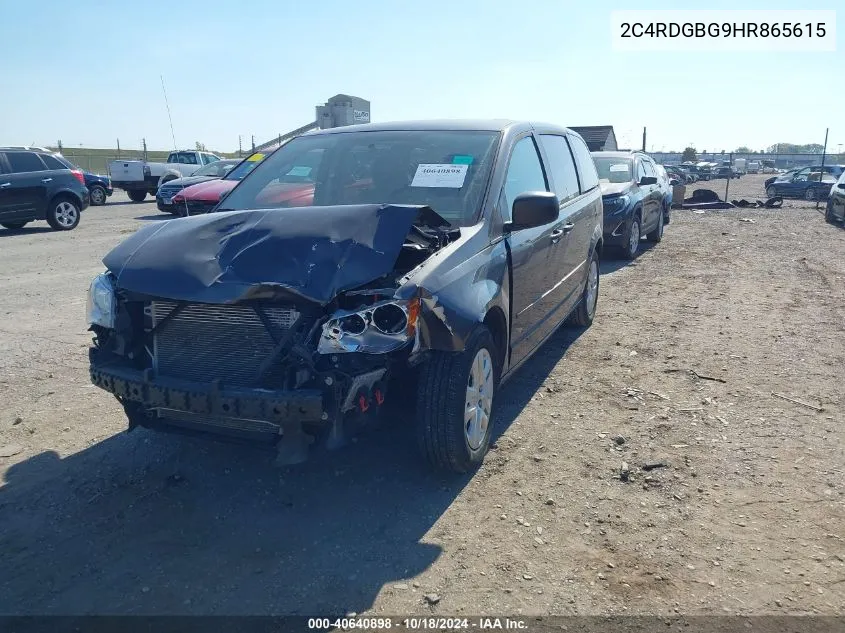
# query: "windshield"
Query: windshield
{"points": [[614, 169], [246, 166], [446, 170], [218, 168]]}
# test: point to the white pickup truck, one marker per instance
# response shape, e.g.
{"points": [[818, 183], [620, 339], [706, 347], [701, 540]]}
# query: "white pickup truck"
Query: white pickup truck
{"points": [[138, 178]]}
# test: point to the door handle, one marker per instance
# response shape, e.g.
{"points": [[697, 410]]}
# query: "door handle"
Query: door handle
{"points": [[568, 227], [46, 180], [5, 184], [555, 235]]}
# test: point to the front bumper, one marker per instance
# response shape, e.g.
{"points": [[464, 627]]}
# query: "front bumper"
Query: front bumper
{"points": [[212, 407], [616, 229]]}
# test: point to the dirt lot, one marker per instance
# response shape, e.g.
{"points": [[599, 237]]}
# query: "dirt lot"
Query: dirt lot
{"points": [[690, 342]]}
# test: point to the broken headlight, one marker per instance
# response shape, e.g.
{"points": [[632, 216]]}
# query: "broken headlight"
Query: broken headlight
{"points": [[102, 307], [377, 329]]}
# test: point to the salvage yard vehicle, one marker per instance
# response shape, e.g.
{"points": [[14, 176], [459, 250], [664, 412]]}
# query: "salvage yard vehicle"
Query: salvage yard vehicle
{"points": [[802, 184], [138, 177], [634, 203], [212, 171], [835, 210], [38, 185], [203, 197], [451, 248]]}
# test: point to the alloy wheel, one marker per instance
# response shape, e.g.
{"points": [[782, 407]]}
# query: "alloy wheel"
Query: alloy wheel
{"points": [[66, 214]]}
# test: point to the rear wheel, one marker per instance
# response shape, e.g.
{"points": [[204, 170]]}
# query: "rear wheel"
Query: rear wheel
{"points": [[98, 196], [136, 195], [13, 225], [63, 214], [810, 194], [455, 404]]}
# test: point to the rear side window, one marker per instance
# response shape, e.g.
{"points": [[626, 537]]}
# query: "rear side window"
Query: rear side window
{"points": [[649, 169], [24, 161], [584, 162], [52, 162], [525, 173], [561, 165]]}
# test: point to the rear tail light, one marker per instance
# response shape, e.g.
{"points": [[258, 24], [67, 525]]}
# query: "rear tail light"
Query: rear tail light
{"points": [[78, 175]]}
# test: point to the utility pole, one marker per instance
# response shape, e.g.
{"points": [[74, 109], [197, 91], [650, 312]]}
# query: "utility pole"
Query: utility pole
{"points": [[144, 143], [118, 149], [240, 148], [643, 139], [253, 143]]}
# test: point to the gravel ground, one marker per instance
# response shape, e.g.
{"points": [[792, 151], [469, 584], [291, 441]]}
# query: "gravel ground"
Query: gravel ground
{"points": [[743, 511]]}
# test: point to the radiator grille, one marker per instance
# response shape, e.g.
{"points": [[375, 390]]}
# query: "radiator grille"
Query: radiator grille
{"points": [[206, 342]]}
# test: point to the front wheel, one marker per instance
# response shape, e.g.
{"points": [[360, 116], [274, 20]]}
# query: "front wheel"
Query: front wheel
{"points": [[657, 234], [632, 244], [63, 214], [98, 196], [13, 225], [771, 192], [586, 310], [455, 404], [810, 195], [828, 214], [136, 195]]}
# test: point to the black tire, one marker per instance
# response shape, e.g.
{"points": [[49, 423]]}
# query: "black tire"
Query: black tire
{"points": [[771, 192], [828, 215], [13, 225], [63, 214], [667, 213], [441, 404], [810, 195], [632, 246], [586, 310], [136, 195], [656, 236], [98, 196]]}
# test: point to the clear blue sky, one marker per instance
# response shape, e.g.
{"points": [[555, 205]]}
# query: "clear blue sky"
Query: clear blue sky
{"points": [[87, 71]]}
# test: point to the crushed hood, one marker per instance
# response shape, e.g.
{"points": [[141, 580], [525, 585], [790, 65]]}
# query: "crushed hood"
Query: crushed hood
{"points": [[304, 252]]}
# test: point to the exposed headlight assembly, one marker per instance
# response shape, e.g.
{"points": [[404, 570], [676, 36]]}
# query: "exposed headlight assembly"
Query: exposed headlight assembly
{"points": [[377, 329], [102, 306], [615, 204]]}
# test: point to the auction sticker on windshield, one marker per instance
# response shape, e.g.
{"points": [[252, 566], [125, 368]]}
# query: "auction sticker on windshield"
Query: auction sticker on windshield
{"points": [[440, 175]]}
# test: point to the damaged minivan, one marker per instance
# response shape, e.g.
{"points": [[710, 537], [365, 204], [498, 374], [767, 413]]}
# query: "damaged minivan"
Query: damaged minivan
{"points": [[433, 255]]}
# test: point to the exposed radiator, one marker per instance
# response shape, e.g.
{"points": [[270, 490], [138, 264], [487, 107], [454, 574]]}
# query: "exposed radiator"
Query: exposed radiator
{"points": [[205, 342]]}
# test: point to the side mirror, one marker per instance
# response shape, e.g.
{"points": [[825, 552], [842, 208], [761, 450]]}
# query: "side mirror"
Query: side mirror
{"points": [[841, 185], [533, 208], [648, 180]]}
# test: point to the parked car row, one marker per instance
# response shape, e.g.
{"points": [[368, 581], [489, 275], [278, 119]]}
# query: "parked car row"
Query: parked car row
{"points": [[139, 178], [442, 256]]}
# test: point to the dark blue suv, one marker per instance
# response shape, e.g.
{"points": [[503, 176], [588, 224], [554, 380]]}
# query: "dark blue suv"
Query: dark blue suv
{"points": [[634, 204]]}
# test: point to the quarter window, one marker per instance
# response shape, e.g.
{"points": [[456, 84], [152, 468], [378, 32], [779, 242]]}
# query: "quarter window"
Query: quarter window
{"points": [[586, 167], [649, 169], [21, 162], [561, 166], [525, 173], [52, 162]]}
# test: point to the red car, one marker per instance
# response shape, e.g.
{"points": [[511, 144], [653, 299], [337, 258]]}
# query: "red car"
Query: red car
{"points": [[203, 196]]}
